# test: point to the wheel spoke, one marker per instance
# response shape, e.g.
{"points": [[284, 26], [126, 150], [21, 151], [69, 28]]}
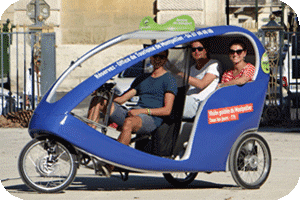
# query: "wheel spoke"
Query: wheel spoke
{"points": [[32, 161], [45, 171], [62, 153], [252, 161]]}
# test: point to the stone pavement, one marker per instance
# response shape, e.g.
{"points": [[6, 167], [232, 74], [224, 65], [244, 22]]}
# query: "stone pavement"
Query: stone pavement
{"points": [[283, 178]]}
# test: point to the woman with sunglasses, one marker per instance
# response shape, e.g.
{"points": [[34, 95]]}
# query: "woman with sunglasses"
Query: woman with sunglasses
{"points": [[203, 79], [242, 72]]}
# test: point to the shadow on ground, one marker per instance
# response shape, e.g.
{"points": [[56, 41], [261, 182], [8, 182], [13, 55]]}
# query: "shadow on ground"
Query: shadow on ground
{"points": [[116, 184]]}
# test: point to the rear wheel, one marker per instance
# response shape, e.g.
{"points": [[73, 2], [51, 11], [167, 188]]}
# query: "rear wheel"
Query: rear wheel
{"points": [[180, 179], [250, 161], [47, 166]]}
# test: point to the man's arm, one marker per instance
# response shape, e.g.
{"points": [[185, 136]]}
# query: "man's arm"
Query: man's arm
{"points": [[125, 97], [163, 111]]}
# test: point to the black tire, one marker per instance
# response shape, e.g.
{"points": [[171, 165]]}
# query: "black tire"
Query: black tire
{"points": [[180, 179], [250, 161], [47, 167]]}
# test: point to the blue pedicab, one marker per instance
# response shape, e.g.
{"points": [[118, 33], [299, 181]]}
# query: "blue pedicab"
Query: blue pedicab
{"points": [[221, 137]]}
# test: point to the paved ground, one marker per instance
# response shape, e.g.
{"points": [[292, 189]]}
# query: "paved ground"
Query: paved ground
{"points": [[283, 178]]}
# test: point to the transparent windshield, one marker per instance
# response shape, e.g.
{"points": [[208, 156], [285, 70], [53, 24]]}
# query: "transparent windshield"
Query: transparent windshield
{"points": [[76, 75], [134, 71], [177, 60], [93, 65]]}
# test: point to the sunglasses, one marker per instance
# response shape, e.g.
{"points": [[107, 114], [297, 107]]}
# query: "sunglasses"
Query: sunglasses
{"points": [[239, 51], [159, 56], [197, 48]]}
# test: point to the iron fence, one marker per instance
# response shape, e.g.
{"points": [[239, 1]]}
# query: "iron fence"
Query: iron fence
{"points": [[290, 73], [20, 59]]}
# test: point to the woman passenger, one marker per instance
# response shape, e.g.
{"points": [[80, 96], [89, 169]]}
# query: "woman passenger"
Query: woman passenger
{"points": [[241, 72]]}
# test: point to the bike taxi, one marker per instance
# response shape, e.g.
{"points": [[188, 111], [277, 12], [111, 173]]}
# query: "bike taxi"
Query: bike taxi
{"points": [[221, 137]]}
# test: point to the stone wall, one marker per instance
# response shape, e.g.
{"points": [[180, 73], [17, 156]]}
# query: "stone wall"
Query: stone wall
{"points": [[93, 22], [81, 24], [204, 12], [16, 12], [8, 14]]}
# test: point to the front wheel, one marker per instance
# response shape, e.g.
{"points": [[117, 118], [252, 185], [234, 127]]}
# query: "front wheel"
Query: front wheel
{"points": [[180, 179], [46, 166], [250, 161]]}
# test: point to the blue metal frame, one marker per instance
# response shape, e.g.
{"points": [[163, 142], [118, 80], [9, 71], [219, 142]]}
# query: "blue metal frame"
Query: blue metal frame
{"points": [[209, 144]]}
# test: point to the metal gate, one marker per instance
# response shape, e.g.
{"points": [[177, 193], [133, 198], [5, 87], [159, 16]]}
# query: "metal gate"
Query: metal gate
{"points": [[28, 67], [290, 73], [282, 105]]}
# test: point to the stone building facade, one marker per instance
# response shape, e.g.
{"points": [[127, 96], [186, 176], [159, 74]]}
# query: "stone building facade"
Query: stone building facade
{"points": [[79, 25], [95, 21]]}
